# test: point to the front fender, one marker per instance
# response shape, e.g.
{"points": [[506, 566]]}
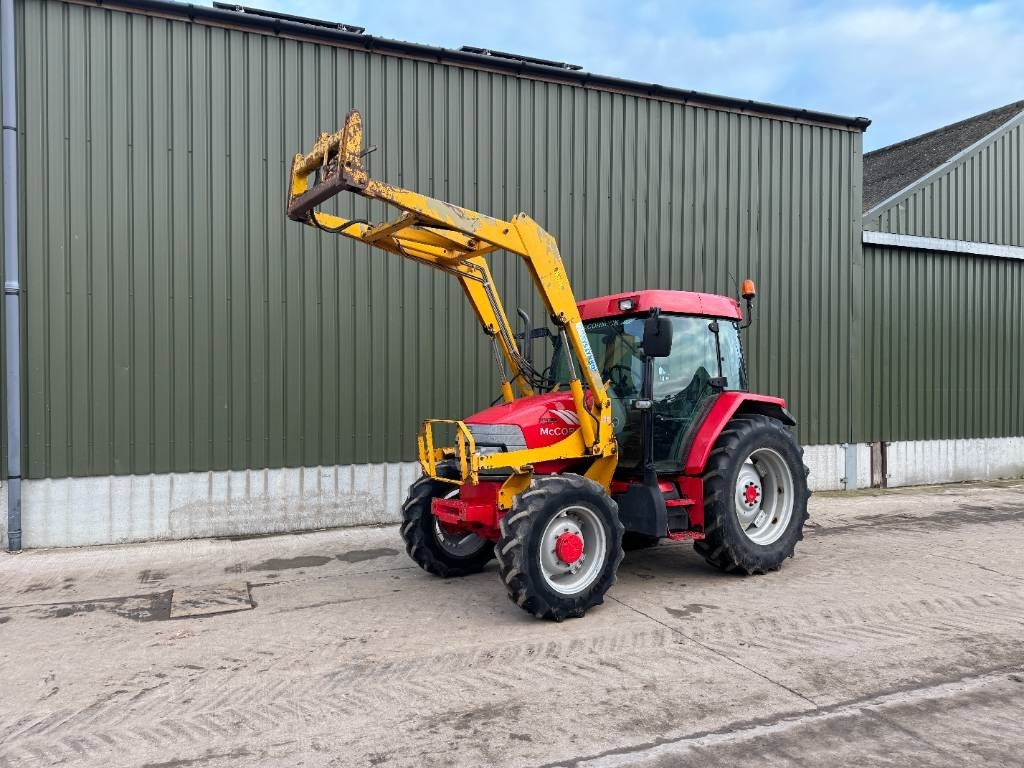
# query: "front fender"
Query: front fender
{"points": [[727, 405]]}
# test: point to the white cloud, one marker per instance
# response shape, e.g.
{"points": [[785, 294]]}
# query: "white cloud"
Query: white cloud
{"points": [[909, 66]]}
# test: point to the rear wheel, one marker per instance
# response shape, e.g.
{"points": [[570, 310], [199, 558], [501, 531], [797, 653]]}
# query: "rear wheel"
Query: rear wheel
{"points": [[560, 547], [434, 548], [755, 497]]}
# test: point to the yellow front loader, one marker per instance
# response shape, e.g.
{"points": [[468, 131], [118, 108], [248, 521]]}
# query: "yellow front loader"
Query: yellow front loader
{"points": [[457, 241]]}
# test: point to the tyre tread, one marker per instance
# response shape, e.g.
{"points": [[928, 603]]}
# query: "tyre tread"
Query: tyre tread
{"points": [[720, 548], [421, 545], [513, 556]]}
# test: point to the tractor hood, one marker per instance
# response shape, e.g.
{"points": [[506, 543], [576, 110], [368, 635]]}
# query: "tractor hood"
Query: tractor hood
{"points": [[543, 420]]}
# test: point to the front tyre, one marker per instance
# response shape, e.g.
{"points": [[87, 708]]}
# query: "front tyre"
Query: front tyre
{"points": [[434, 549], [560, 546], [755, 497]]}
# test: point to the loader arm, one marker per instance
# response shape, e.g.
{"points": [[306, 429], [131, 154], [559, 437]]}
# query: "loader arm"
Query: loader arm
{"points": [[457, 241]]}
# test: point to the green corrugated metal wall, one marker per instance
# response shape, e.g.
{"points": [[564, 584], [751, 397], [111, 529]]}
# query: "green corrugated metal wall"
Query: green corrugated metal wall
{"points": [[979, 198], [177, 322], [943, 331], [943, 336]]}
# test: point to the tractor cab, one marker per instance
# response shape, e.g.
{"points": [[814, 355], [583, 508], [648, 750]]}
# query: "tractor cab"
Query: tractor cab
{"points": [[705, 358]]}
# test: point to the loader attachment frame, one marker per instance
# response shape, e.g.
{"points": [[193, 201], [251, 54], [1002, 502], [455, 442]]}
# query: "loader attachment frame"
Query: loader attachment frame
{"points": [[457, 241]]}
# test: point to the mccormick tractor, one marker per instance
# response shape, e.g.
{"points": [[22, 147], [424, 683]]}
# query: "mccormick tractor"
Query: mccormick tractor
{"points": [[640, 428]]}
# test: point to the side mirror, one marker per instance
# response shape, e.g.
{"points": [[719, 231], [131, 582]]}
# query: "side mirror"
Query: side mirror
{"points": [[657, 337]]}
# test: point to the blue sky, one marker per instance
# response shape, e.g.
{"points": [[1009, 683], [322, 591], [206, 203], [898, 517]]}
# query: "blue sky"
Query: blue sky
{"points": [[909, 66]]}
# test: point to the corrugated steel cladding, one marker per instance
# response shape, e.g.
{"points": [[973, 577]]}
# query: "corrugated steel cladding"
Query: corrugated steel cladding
{"points": [[979, 198], [943, 335], [177, 322], [943, 331]]}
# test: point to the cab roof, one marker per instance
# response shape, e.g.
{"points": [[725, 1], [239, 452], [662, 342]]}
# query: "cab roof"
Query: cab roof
{"points": [[676, 302]]}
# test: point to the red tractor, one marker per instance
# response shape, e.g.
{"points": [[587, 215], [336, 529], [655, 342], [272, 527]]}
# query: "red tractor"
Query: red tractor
{"points": [[639, 428]]}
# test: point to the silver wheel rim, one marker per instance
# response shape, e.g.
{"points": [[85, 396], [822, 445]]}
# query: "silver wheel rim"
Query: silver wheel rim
{"points": [[457, 544], [572, 578], [764, 496]]}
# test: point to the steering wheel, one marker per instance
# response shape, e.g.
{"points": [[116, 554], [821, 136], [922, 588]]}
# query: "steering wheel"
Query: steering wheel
{"points": [[635, 379]]}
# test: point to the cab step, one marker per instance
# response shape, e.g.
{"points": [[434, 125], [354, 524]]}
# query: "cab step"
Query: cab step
{"points": [[686, 535]]}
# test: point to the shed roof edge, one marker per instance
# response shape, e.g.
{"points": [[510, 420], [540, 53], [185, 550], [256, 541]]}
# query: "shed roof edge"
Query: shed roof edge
{"points": [[281, 27]]}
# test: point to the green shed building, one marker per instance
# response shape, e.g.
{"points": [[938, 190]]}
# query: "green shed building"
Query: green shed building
{"points": [[190, 363], [944, 303]]}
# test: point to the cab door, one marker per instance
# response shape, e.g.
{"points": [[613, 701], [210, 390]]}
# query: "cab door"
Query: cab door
{"points": [[684, 381]]}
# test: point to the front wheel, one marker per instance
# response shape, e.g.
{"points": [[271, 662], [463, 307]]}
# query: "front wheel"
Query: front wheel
{"points": [[434, 548], [560, 546], [755, 497]]}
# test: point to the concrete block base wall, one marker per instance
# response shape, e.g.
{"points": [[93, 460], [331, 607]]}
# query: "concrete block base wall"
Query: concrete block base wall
{"points": [[920, 462], [830, 466], [951, 461], [79, 511], [106, 510]]}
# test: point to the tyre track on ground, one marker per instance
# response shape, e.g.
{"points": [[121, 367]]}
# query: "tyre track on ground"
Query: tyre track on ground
{"points": [[219, 709], [217, 706], [794, 630], [935, 725], [361, 681]]}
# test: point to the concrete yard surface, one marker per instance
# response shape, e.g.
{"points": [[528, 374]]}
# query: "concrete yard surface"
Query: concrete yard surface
{"points": [[895, 637]]}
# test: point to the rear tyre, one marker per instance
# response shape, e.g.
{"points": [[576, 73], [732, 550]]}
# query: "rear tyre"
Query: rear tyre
{"points": [[434, 549], [755, 497], [560, 547]]}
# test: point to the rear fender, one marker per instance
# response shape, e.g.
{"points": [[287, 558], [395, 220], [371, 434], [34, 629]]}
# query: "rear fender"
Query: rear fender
{"points": [[727, 405]]}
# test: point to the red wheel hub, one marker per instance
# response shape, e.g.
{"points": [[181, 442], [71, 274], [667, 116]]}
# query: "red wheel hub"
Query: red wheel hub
{"points": [[569, 547], [751, 493]]}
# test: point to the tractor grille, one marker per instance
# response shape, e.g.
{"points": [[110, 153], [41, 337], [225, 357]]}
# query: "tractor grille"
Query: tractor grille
{"points": [[501, 437]]}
